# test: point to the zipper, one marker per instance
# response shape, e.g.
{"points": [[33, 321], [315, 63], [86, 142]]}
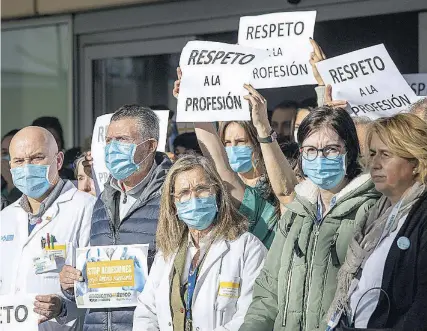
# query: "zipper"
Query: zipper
{"points": [[316, 237], [109, 326], [288, 289]]}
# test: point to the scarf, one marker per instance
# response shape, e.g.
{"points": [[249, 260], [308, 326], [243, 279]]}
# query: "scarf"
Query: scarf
{"points": [[365, 241]]}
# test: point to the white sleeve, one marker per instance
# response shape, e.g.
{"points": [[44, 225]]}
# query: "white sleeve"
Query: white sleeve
{"points": [[86, 223], [254, 257], [145, 315]]}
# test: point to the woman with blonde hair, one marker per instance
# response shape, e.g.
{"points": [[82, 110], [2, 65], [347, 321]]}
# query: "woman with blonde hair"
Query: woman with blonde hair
{"points": [[203, 274], [383, 282]]}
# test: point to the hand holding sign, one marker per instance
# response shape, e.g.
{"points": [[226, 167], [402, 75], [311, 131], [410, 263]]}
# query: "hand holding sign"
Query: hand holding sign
{"points": [[259, 111], [68, 276], [48, 306], [315, 57], [177, 83], [138, 269], [333, 103]]}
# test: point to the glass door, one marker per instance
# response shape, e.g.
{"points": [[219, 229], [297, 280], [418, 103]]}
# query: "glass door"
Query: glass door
{"points": [[141, 72]]}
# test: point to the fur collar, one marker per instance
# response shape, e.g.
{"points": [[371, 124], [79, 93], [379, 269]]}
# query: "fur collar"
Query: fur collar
{"points": [[310, 191]]}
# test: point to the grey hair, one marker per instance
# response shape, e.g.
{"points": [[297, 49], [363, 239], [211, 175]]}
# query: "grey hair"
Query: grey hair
{"points": [[361, 120], [420, 107], [147, 120]]}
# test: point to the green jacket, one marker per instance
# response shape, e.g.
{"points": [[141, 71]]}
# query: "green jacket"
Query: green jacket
{"points": [[297, 284]]}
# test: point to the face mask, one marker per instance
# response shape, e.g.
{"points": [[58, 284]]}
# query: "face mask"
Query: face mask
{"points": [[6, 157], [197, 213], [31, 179], [325, 173], [119, 159], [240, 158]]}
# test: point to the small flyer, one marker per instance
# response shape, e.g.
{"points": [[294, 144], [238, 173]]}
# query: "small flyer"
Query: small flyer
{"points": [[113, 276]]}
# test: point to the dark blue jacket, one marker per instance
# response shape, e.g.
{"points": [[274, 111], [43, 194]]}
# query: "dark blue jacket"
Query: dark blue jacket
{"points": [[138, 227]]}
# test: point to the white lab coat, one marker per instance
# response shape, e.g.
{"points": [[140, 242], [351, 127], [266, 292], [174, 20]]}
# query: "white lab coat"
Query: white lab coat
{"points": [[69, 220], [226, 261]]}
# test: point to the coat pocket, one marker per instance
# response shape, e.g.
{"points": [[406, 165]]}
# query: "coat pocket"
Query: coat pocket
{"points": [[227, 297]]}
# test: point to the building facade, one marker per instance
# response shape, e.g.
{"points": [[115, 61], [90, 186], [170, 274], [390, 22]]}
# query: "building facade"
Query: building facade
{"points": [[79, 59]]}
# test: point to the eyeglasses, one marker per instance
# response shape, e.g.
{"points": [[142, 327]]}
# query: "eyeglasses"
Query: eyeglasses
{"points": [[330, 152], [200, 191]]}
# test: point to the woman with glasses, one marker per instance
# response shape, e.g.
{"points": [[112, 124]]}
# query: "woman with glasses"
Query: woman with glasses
{"points": [[296, 286], [239, 151], [204, 272]]}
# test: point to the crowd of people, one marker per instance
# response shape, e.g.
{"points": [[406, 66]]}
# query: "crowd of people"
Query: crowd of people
{"points": [[301, 219]]}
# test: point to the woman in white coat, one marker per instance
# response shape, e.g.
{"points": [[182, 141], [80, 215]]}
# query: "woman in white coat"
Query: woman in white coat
{"points": [[203, 274]]}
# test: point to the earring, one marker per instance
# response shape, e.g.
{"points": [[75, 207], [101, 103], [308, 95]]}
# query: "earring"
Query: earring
{"points": [[414, 172]]}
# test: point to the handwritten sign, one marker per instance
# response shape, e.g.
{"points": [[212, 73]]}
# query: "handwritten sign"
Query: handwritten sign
{"points": [[287, 37], [114, 275], [100, 170], [213, 75], [16, 313], [418, 83], [369, 80]]}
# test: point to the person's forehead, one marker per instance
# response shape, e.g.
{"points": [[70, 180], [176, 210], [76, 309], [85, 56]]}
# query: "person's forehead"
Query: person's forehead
{"points": [[125, 126], [27, 147], [190, 178], [325, 136], [377, 143], [234, 130]]}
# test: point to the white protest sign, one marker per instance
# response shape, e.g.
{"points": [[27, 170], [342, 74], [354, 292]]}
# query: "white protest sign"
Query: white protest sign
{"points": [[114, 275], [98, 144], [213, 75], [287, 37], [16, 313], [418, 83], [370, 82]]}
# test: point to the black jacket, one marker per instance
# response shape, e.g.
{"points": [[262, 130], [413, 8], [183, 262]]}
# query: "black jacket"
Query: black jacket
{"points": [[405, 277]]}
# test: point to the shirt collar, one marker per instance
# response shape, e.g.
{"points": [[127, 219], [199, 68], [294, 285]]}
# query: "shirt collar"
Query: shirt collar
{"points": [[47, 202], [137, 188], [203, 242]]}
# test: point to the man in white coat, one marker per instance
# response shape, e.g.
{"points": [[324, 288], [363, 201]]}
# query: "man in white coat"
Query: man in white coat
{"points": [[38, 232]]}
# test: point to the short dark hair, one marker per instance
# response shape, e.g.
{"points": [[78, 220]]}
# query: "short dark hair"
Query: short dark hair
{"points": [[308, 103], [187, 140], [339, 121], [11, 133], [51, 122], [148, 122], [287, 104]]}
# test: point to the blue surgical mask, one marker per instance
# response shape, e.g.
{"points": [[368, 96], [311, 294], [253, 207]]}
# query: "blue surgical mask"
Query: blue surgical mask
{"points": [[325, 173], [198, 213], [240, 158], [119, 159], [31, 179]]}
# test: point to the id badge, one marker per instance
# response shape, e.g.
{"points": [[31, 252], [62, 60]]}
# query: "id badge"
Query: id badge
{"points": [[57, 252], [44, 264], [229, 288]]}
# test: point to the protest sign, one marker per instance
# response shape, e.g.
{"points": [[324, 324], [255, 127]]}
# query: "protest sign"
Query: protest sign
{"points": [[287, 37], [370, 82], [16, 313], [100, 170], [114, 275], [418, 83], [213, 75]]}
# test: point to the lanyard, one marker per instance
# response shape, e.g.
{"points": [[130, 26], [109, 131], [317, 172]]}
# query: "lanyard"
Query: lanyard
{"points": [[391, 220], [192, 279]]}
